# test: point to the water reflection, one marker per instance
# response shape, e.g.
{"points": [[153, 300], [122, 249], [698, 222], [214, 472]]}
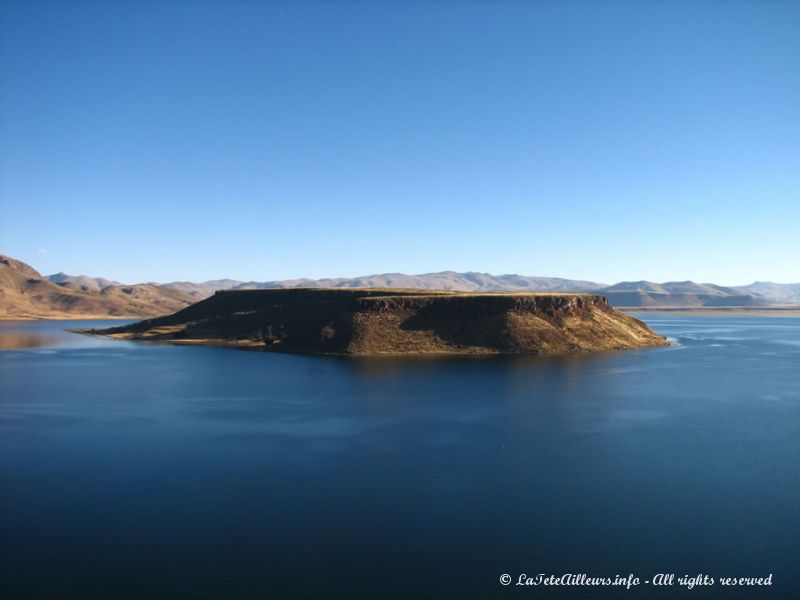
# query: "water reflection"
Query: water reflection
{"points": [[13, 340], [56, 334]]}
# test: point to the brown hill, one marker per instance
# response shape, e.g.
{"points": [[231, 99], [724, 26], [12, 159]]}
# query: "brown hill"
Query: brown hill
{"points": [[25, 294], [391, 321]]}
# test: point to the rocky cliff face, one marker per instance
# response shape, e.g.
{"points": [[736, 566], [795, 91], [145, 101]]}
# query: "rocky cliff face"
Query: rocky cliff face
{"points": [[389, 321]]}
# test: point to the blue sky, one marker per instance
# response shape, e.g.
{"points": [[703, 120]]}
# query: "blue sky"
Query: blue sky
{"points": [[606, 141]]}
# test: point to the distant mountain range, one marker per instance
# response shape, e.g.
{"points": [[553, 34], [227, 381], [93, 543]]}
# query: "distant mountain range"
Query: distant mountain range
{"points": [[685, 294], [446, 280], [26, 293]]}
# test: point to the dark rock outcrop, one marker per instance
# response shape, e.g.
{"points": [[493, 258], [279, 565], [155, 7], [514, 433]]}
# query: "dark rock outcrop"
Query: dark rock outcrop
{"points": [[391, 321]]}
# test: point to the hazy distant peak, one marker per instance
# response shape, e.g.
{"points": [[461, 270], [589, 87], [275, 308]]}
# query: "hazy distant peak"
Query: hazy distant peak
{"points": [[775, 293], [81, 281]]}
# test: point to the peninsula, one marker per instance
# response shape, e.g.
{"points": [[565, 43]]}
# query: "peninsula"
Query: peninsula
{"points": [[388, 321]]}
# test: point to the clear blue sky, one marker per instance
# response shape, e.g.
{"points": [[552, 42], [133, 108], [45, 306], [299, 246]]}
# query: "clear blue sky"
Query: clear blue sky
{"points": [[595, 140]]}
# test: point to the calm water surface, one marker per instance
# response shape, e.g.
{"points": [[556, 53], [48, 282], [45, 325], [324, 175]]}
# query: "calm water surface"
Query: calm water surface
{"points": [[144, 471]]}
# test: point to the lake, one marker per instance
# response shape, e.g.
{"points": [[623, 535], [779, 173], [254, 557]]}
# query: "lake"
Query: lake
{"points": [[130, 470]]}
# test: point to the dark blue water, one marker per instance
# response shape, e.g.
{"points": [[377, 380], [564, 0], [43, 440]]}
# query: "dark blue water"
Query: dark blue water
{"points": [[144, 471]]}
